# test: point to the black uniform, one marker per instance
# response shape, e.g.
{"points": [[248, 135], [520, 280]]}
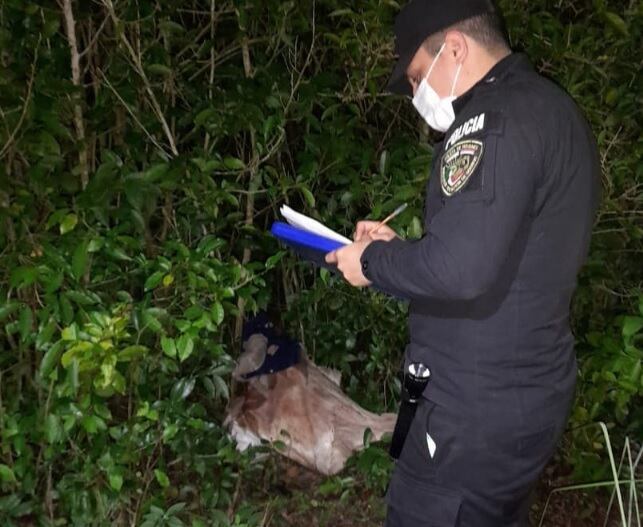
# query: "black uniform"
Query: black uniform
{"points": [[509, 209]]}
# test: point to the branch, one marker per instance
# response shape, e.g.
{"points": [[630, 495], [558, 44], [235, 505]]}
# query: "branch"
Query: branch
{"points": [[93, 40], [295, 86], [13, 135], [211, 79], [165, 154], [139, 69], [70, 29]]}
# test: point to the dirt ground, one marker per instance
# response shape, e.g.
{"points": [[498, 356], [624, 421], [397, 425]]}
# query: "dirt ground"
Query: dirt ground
{"points": [[297, 497]]}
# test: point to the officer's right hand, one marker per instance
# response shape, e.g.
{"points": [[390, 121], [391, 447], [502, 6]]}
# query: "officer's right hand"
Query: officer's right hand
{"points": [[364, 230]]}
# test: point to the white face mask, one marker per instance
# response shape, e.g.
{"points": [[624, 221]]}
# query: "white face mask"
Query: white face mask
{"points": [[437, 112]]}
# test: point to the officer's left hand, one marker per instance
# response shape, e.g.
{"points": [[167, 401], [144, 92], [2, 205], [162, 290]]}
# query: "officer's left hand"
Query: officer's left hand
{"points": [[348, 262]]}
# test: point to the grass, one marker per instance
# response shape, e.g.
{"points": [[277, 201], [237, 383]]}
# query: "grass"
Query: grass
{"points": [[629, 512]]}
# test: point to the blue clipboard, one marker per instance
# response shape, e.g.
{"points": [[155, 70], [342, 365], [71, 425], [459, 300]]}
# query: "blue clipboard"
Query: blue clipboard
{"points": [[307, 245], [313, 248]]}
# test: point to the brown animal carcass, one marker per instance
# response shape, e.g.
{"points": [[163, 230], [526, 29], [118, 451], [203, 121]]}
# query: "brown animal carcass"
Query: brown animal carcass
{"points": [[303, 407]]}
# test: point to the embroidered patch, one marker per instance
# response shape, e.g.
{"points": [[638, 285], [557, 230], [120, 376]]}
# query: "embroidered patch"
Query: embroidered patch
{"points": [[458, 163]]}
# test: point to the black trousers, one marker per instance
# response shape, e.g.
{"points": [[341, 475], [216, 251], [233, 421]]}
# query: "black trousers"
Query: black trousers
{"points": [[456, 472]]}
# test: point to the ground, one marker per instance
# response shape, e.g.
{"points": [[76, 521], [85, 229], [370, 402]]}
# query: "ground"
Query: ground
{"points": [[292, 496]]}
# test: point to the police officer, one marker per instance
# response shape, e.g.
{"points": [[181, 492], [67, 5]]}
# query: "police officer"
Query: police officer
{"points": [[509, 208]]}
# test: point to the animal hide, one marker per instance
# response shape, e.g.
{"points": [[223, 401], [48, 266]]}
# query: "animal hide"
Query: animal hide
{"points": [[301, 406]]}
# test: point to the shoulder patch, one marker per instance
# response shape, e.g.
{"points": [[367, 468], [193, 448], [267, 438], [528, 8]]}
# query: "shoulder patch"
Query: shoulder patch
{"points": [[458, 164]]}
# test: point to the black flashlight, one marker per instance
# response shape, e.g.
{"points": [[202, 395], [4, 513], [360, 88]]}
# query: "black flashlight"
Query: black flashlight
{"points": [[416, 377]]}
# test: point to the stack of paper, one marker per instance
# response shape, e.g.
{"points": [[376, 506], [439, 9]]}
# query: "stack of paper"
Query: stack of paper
{"points": [[310, 239], [301, 221]]}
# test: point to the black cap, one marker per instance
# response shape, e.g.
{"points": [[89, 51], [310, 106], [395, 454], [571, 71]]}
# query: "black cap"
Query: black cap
{"points": [[421, 18]]}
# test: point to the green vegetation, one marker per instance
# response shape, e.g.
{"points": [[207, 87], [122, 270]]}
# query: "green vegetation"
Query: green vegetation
{"points": [[145, 148]]}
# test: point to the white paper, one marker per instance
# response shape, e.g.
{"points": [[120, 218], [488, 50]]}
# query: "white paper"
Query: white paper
{"points": [[301, 221]]}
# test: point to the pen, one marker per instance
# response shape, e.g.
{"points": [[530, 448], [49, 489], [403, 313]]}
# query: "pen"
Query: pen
{"points": [[390, 216]]}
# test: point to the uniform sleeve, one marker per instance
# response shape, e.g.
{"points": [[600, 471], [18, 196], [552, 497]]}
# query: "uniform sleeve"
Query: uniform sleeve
{"points": [[462, 253]]}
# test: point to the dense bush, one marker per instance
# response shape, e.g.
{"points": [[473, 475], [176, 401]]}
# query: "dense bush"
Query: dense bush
{"points": [[145, 149]]}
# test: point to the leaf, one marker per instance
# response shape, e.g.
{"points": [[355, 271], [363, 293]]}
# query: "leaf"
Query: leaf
{"points": [[232, 163], [209, 386], [93, 424], [153, 280], [176, 508], [125, 296], [168, 280], [68, 223], [95, 245], [170, 431], [221, 386], [159, 69], [145, 411], [162, 478], [55, 218], [383, 159], [50, 27], [25, 323], [73, 352], [636, 372], [415, 229], [341, 12], [269, 125], [209, 244], [50, 359], [274, 259], [8, 309], [185, 346], [115, 481], [242, 19], [107, 369], [118, 254], [168, 346], [308, 195], [132, 352], [23, 276], [70, 333], [151, 322], [171, 27], [617, 23], [45, 334], [82, 299], [173, 521], [217, 313], [72, 377], [67, 310], [193, 312], [631, 326], [52, 282], [183, 388], [201, 118], [6, 474], [367, 437], [79, 260], [53, 430], [218, 517]]}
